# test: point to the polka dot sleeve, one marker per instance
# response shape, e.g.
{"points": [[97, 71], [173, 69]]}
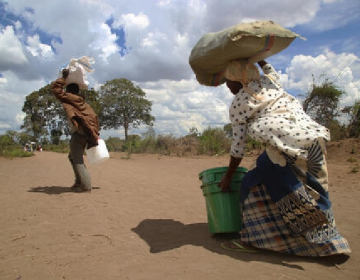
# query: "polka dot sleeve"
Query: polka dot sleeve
{"points": [[239, 140]]}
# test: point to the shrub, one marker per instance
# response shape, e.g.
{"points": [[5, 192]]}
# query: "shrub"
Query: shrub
{"points": [[214, 141], [62, 147], [115, 144], [17, 153]]}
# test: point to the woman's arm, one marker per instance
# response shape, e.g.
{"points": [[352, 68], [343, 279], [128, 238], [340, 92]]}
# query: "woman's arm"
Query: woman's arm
{"points": [[226, 180], [269, 70]]}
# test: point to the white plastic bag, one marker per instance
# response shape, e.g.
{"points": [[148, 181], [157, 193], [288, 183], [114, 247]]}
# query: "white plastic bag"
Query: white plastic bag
{"points": [[99, 153], [78, 69]]}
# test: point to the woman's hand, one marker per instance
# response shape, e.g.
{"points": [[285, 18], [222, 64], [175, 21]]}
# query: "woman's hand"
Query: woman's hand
{"points": [[225, 183], [65, 73], [226, 180], [262, 63]]}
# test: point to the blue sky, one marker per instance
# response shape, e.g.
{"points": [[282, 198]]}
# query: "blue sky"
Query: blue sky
{"points": [[149, 43]]}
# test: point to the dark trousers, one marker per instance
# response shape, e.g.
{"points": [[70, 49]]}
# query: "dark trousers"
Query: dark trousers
{"points": [[76, 158]]}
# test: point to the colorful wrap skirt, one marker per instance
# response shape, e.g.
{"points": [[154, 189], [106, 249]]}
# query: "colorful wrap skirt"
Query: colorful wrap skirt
{"points": [[287, 208]]}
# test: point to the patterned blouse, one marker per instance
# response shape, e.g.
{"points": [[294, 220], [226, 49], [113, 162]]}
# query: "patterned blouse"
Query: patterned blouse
{"points": [[270, 115]]}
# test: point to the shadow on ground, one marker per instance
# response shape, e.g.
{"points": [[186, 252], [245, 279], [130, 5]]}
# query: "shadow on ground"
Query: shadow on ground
{"points": [[53, 189], [166, 234]]}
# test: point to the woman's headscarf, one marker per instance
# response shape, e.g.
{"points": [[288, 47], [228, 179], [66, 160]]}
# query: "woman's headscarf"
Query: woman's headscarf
{"points": [[244, 72]]}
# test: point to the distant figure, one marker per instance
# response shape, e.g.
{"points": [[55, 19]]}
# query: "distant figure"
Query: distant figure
{"points": [[84, 129], [285, 198]]}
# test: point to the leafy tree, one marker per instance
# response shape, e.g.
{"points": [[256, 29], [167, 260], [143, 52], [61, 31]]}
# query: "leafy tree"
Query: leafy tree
{"points": [[6, 142], [21, 137], [14, 135], [123, 105], [55, 136], [322, 102], [24, 138], [45, 114], [193, 132], [354, 123], [42, 111], [92, 98]]}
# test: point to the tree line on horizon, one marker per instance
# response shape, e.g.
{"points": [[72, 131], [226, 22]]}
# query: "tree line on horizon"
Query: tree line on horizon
{"points": [[119, 103]]}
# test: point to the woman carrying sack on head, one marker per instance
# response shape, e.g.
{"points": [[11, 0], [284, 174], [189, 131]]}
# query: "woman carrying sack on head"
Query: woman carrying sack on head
{"points": [[285, 199]]}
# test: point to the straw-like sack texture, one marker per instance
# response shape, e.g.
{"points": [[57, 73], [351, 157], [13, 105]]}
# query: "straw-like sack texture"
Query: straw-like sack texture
{"points": [[254, 41]]}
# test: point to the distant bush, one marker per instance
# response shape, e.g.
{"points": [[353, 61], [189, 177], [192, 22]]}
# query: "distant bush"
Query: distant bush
{"points": [[115, 144], [17, 153], [214, 141], [62, 147], [167, 144], [9, 148]]}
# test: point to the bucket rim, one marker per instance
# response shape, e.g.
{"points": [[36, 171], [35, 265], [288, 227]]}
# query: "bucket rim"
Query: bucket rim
{"points": [[221, 169]]}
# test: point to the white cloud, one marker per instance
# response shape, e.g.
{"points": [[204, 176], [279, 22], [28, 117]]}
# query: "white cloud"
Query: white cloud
{"points": [[159, 36], [36, 48], [105, 41], [4, 126], [339, 68], [135, 27], [11, 52], [12, 96], [181, 105], [132, 21]]}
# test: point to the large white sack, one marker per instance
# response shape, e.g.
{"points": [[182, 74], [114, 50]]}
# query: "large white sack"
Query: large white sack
{"points": [[254, 41], [78, 70]]}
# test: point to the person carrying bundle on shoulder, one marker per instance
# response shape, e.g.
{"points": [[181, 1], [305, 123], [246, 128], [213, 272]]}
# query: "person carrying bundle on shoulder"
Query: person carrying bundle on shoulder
{"points": [[84, 128]]}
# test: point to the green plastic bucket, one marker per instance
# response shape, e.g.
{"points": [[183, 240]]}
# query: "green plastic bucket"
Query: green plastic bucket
{"points": [[223, 208]]}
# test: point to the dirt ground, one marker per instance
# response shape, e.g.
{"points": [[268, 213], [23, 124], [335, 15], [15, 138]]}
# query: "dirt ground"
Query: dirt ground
{"points": [[146, 219]]}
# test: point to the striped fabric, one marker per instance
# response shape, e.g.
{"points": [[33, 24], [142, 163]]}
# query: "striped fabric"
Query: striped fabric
{"points": [[264, 227]]}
